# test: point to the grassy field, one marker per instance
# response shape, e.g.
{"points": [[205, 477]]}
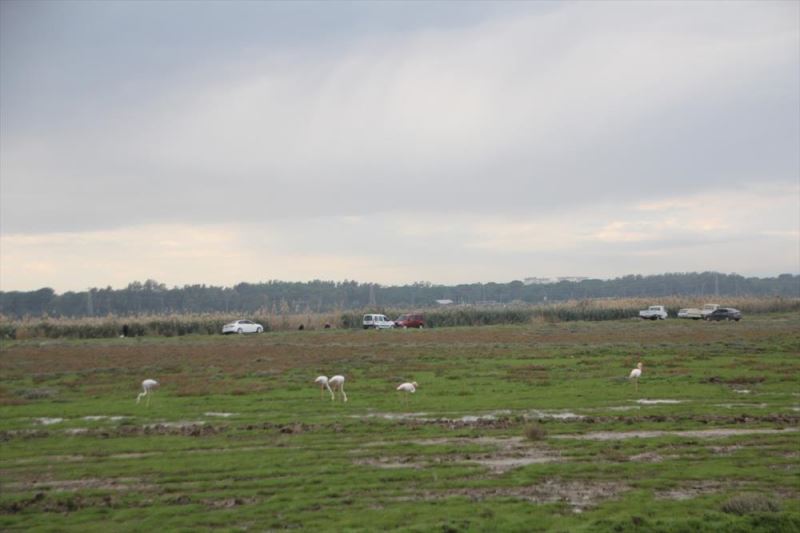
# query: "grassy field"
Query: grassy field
{"points": [[513, 428]]}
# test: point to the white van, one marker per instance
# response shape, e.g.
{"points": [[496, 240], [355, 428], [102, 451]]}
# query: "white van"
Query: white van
{"points": [[376, 322]]}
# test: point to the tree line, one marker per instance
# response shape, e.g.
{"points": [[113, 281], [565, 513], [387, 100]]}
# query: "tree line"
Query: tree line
{"points": [[284, 297]]}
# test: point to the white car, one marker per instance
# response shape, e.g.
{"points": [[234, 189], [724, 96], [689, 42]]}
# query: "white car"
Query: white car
{"points": [[372, 321], [241, 327], [691, 312]]}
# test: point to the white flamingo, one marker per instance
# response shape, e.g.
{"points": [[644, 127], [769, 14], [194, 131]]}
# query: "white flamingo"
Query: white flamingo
{"points": [[148, 386], [337, 383], [409, 388], [636, 373], [322, 381]]}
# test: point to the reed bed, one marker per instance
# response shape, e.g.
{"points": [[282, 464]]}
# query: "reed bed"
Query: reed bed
{"points": [[450, 316]]}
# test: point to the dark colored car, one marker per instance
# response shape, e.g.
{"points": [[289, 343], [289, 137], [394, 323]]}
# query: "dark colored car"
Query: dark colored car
{"points": [[410, 321], [725, 313]]}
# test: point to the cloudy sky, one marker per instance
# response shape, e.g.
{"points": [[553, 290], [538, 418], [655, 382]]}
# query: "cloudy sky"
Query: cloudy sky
{"points": [[395, 142]]}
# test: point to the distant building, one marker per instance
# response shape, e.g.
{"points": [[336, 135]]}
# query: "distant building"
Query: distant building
{"points": [[444, 302], [548, 281], [538, 281]]}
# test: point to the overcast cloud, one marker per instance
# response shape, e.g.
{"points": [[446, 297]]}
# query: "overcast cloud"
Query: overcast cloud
{"points": [[396, 142]]}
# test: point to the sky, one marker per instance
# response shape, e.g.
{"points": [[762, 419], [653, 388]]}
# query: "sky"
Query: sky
{"points": [[395, 142]]}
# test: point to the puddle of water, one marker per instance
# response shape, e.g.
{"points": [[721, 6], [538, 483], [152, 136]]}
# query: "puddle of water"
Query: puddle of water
{"points": [[625, 408], [701, 433], [467, 419], [223, 415], [75, 431], [742, 391], [392, 416], [47, 421], [555, 415], [104, 417], [656, 402], [470, 419]]}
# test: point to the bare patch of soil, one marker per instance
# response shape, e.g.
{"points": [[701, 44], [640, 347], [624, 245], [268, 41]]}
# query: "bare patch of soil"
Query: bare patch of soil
{"points": [[741, 380], [47, 421], [694, 489], [509, 453], [650, 457], [72, 485], [389, 462], [701, 433], [227, 503], [725, 450], [579, 495]]}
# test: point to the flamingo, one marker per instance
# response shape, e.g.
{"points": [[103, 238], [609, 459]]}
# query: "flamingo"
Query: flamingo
{"points": [[407, 387], [338, 384], [322, 381], [148, 387], [636, 373]]}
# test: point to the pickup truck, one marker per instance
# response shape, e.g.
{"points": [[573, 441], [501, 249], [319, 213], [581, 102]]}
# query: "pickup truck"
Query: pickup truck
{"points": [[654, 312]]}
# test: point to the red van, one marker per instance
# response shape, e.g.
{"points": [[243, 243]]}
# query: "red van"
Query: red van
{"points": [[410, 321]]}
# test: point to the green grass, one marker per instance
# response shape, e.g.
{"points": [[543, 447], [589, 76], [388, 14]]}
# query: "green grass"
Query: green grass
{"points": [[455, 458]]}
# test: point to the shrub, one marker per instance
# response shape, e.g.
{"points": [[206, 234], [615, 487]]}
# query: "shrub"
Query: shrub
{"points": [[742, 504], [535, 431]]}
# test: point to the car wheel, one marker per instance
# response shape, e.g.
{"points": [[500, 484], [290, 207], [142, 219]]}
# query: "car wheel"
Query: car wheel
{"points": [[259, 330], [239, 331], [421, 326]]}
